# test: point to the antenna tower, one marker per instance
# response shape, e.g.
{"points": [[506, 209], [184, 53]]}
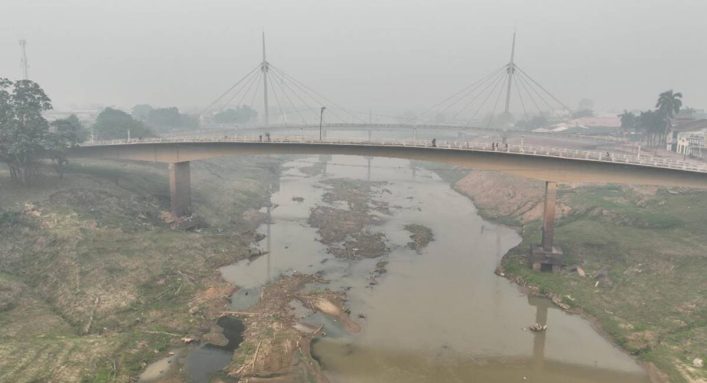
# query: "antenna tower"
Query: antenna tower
{"points": [[23, 59]]}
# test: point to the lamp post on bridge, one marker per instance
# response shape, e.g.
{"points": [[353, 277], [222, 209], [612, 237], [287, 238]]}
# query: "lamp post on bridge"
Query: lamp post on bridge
{"points": [[321, 118]]}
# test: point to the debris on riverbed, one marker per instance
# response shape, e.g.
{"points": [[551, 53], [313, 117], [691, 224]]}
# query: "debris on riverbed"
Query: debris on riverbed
{"points": [[420, 235], [347, 230], [537, 327], [276, 341]]}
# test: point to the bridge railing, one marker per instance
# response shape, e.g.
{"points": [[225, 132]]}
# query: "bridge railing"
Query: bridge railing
{"points": [[542, 151]]}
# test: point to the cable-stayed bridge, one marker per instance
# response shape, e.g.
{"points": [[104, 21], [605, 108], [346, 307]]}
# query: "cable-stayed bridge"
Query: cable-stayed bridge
{"points": [[284, 101]]}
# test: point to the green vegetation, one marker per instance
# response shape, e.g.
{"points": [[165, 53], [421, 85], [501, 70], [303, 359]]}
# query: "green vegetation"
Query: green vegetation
{"points": [[115, 124], [238, 115], [26, 136], [653, 245], [653, 125], [164, 119], [94, 285]]}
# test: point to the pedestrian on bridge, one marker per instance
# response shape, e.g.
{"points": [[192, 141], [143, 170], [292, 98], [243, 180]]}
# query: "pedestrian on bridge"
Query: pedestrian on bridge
{"points": [[434, 142]]}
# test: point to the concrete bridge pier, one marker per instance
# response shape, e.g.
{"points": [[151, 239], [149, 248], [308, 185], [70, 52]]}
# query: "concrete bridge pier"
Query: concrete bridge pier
{"points": [[180, 188], [547, 257]]}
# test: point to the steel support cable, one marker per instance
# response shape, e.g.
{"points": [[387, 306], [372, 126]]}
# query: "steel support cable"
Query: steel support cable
{"points": [[244, 83], [229, 89], [493, 86], [520, 97], [313, 92], [470, 103], [462, 94], [530, 95], [471, 97], [246, 89], [543, 88], [488, 96], [308, 95], [304, 96], [280, 82], [538, 94], [257, 87], [277, 102], [286, 84], [495, 105]]}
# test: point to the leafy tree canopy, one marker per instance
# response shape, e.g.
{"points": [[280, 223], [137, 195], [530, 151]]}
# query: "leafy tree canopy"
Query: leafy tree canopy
{"points": [[169, 119], [140, 111], [25, 135], [116, 124], [238, 115]]}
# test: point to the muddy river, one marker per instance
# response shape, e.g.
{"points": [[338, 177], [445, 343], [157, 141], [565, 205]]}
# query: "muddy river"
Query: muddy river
{"points": [[438, 314]]}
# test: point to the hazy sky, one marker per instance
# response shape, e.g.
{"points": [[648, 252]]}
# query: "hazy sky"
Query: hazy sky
{"points": [[384, 55]]}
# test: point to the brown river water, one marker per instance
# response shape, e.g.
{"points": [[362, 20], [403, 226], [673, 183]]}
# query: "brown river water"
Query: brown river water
{"points": [[440, 315]]}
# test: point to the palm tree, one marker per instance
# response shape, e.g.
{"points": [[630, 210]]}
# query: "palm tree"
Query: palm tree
{"points": [[668, 105]]}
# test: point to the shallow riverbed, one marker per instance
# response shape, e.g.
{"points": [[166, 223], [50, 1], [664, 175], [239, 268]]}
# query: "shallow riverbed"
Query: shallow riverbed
{"points": [[439, 314]]}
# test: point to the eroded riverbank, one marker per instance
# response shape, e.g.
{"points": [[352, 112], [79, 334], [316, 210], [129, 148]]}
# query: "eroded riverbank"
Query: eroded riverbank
{"points": [[641, 254]]}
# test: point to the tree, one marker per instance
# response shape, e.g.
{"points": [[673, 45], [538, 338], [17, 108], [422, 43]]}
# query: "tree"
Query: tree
{"points": [[238, 115], [116, 124], [668, 105], [168, 119], [23, 130], [628, 121], [64, 134], [140, 111], [651, 124], [26, 137]]}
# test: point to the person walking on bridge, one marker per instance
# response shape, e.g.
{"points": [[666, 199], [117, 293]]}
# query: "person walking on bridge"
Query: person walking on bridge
{"points": [[434, 142]]}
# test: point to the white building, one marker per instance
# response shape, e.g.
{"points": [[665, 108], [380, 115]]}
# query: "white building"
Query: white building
{"points": [[688, 138]]}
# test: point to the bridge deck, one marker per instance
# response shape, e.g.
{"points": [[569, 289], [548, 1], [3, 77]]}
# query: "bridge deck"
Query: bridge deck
{"points": [[529, 151]]}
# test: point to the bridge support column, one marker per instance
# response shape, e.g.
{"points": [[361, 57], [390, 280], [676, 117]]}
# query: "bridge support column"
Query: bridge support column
{"points": [[549, 215], [180, 188], [547, 257]]}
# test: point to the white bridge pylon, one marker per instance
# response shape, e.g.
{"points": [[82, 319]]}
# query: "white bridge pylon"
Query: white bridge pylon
{"points": [[287, 101]]}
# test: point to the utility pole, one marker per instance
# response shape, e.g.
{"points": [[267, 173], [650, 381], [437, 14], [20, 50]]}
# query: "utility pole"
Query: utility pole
{"points": [[265, 67], [510, 69], [23, 60], [321, 118]]}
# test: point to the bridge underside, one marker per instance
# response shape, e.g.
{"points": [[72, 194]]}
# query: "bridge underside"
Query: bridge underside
{"points": [[561, 170], [552, 170]]}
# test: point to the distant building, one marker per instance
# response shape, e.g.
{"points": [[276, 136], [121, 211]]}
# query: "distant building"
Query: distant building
{"points": [[688, 138]]}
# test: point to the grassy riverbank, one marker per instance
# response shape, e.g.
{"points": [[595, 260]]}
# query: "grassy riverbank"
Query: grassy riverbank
{"points": [[651, 244], [94, 284]]}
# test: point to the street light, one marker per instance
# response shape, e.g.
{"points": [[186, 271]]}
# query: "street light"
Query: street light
{"points": [[321, 118]]}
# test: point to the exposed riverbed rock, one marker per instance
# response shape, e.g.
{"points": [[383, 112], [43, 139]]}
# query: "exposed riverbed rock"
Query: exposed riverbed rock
{"points": [[275, 348], [420, 235], [347, 230]]}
